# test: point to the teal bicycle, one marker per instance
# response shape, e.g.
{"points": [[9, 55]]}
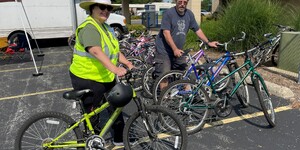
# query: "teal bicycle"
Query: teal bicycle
{"points": [[193, 101]]}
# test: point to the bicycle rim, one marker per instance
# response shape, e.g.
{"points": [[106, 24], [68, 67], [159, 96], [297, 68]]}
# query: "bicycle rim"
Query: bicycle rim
{"points": [[171, 76], [169, 132], [242, 92], [265, 101], [193, 115], [43, 128], [222, 85], [148, 81]]}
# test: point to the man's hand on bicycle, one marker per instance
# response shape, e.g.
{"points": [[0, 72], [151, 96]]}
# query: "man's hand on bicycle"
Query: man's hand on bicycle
{"points": [[178, 52], [213, 44]]}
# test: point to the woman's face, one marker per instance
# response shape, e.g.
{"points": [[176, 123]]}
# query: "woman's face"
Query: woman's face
{"points": [[101, 12]]}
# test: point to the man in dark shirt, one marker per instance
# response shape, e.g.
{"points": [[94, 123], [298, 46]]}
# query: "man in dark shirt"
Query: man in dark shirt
{"points": [[170, 40]]}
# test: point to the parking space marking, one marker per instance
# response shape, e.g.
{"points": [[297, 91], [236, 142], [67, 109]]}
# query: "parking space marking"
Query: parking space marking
{"points": [[56, 52], [246, 116], [32, 68], [37, 93]]}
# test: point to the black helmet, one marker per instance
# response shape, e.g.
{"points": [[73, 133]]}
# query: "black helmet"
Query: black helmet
{"points": [[120, 95]]}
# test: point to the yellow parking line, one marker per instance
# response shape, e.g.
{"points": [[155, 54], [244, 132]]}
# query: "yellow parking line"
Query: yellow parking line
{"points": [[37, 93], [224, 121], [31, 68], [247, 116]]}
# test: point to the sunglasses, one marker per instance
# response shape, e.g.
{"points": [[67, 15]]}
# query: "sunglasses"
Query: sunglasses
{"points": [[103, 7], [182, 2]]}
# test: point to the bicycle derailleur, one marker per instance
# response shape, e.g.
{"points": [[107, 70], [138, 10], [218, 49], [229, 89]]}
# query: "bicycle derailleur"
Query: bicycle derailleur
{"points": [[95, 142]]}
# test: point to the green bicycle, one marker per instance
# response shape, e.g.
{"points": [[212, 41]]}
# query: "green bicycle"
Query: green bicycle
{"points": [[150, 127], [193, 101]]}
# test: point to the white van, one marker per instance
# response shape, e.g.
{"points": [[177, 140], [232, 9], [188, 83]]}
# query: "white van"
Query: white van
{"points": [[47, 18]]}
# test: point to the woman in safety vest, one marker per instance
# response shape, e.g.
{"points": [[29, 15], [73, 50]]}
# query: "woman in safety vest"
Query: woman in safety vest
{"points": [[95, 57]]}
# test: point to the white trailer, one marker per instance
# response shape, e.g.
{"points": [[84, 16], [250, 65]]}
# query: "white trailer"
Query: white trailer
{"points": [[47, 18]]}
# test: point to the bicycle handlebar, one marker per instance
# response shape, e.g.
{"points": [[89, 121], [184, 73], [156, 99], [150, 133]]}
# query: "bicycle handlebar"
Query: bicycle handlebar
{"points": [[284, 28], [233, 39]]}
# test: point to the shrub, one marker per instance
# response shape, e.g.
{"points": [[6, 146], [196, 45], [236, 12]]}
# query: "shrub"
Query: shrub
{"points": [[138, 27], [254, 17]]}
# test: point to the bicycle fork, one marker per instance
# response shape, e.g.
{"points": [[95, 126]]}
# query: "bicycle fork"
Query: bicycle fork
{"points": [[142, 111]]}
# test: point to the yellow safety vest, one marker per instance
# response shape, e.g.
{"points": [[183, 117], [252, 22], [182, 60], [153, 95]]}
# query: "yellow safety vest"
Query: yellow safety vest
{"points": [[85, 65]]}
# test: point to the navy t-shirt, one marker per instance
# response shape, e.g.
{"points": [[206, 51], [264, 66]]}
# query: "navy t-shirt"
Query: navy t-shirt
{"points": [[179, 26]]}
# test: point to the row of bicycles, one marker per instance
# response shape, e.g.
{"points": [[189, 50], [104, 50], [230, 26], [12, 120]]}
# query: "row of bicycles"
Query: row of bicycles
{"points": [[190, 99]]}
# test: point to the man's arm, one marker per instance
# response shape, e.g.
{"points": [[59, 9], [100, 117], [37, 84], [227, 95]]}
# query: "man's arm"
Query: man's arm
{"points": [[202, 36], [177, 52]]}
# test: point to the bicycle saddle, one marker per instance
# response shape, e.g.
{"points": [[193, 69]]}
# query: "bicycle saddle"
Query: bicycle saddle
{"points": [[75, 94]]}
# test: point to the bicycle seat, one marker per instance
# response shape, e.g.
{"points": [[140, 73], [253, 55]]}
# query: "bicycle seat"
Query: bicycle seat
{"points": [[75, 94]]}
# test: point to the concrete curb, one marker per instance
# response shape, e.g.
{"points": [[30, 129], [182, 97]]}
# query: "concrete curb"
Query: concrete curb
{"points": [[275, 89], [279, 91]]}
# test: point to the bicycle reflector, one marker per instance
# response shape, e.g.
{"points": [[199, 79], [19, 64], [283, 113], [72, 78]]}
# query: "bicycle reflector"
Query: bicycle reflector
{"points": [[120, 95]]}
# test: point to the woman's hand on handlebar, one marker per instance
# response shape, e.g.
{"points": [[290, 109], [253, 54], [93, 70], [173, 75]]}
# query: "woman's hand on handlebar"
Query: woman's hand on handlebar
{"points": [[120, 71]]}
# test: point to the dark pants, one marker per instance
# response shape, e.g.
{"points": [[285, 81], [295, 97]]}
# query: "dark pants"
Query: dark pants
{"points": [[96, 99]]}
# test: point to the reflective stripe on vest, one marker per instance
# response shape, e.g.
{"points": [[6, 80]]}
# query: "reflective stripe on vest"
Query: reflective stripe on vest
{"points": [[85, 65], [85, 54]]}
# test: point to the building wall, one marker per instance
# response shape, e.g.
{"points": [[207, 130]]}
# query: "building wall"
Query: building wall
{"points": [[195, 7]]}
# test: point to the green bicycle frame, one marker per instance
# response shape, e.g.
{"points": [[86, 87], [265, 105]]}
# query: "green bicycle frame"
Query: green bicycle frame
{"points": [[250, 69], [86, 117]]}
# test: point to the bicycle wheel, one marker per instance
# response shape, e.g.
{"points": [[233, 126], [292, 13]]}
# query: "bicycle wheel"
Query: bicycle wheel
{"points": [[140, 66], [159, 130], [223, 73], [43, 128], [188, 102], [242, 92], [264, 100], [258, 57], [72, 41], [148, 81], [170, 76], [275, 54]]}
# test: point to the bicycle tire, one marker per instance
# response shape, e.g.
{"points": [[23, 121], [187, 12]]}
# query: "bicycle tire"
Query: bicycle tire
{"points": [[275, 55], [193, 117], [148, 81], [140, 67], [258, 57], [265, 101], [242, 92], [223, 73], [34, 129], [172, 75], [136, 134], [72, 41]]}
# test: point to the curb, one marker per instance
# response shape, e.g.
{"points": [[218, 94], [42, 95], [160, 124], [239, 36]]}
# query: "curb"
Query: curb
{"points": [[275, 89], [279, 91]]}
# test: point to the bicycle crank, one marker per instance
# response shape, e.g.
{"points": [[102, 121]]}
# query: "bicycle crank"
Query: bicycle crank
{"points": [[95, 142], [222, 108]]}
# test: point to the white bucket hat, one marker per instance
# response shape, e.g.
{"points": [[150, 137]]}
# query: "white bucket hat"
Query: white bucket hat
{"points": [[86, 4]]}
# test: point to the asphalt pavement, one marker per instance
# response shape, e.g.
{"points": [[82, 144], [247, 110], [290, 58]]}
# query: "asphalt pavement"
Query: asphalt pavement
{"points": [[23, 95]]}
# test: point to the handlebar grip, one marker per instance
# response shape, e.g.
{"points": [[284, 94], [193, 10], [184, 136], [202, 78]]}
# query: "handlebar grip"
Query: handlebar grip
{"points": [[187, 51]]}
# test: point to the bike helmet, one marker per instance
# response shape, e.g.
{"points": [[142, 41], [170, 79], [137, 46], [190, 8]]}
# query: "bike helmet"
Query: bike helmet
{"points": [[120, 95]]}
